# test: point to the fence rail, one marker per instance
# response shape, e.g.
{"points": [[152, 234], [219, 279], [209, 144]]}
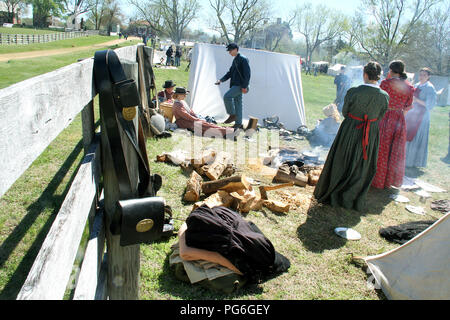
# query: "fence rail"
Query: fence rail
{"points": [[33, 113], [15, 39]]}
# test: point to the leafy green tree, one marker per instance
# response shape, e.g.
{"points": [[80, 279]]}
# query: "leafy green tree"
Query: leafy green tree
{"points": [[43, 9]]}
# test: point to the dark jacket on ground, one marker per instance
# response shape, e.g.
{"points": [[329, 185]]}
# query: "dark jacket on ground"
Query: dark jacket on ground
{"points": [[226, 232], [239, 72]]}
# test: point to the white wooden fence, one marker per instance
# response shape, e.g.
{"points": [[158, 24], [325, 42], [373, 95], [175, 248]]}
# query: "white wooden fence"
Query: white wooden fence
{"points": [[6, 38], [32, 114]]}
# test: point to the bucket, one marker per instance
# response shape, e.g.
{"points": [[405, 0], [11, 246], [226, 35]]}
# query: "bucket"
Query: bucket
{"points": [[167, 112]]}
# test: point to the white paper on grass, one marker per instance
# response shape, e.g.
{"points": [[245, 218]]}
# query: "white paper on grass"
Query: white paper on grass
{"points": [[427, 186], [275, 85]]}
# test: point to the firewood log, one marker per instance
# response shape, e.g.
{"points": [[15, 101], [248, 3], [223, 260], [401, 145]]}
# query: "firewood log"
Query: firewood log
{"points": [[276, 206], [193, 187], [216, 168], [220, 198], [230, 184]]}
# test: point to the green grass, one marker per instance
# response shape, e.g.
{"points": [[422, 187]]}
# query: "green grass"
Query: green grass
{"points": [[321, 267], [14, 71], [16, 30], [59, 44]]}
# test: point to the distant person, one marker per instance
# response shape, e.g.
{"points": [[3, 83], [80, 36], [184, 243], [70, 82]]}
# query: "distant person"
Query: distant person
{"points": [[418, 121], [169, 54], [343, 83], [239, 74], [308, 69], [144, 39], [178, 54], [185, 118], [315, 70], [326, 129], [352, 160], [391, 157], [189, 58]]}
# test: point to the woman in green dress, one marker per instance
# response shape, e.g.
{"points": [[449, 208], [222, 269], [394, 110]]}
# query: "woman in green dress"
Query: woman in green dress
{"points": [[352, 160]]}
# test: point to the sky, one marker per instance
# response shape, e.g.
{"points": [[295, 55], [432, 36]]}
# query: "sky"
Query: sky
{"points": [[281, 9]]}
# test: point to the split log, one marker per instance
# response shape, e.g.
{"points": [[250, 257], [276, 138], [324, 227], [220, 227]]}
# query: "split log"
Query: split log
{"points": [[161, 158], [276, 206], [247, 201], [229, 170], [193, 187], [202, 170], [313, 177], [220, 198], [216, 168], [230, 184], [207, 157]]}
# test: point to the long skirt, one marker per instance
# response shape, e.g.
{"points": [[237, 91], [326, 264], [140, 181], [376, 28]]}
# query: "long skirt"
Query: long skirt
{"points": [[391, 154]]}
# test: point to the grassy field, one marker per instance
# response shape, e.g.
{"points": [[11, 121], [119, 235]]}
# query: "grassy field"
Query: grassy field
{"points": [[16, 30], [321, 265], [59, 44], [14, 71]]}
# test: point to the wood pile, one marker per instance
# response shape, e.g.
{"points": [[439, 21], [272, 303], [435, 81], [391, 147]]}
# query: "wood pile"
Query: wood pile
{"points": [[213, 176]]}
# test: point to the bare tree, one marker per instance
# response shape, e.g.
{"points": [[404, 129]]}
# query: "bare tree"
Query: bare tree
{"points": [[237, 18], [318, 24], [430, 42], [167, 16], [277, 31], [112, 12], [390, 31], [149, 11], [74, 8], [97, 12], [13, 7]]}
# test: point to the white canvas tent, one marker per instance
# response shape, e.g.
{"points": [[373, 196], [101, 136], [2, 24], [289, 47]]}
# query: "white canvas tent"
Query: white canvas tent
{"points": [[419, 269], [275, 85]]}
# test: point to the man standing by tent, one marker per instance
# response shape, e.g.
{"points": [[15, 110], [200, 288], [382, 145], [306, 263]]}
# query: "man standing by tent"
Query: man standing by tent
{"points": [[239, 74]]}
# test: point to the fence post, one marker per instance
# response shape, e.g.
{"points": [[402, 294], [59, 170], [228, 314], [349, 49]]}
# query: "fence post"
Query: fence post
{"points": [[123, 262]]}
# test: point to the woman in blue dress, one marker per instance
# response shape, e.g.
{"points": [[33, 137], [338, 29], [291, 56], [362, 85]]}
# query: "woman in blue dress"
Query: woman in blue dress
{"points": [[418, 121]]}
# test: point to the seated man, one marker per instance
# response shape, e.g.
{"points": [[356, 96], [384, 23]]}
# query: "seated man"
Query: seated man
{"points": [[167, 93], [187, 119]]}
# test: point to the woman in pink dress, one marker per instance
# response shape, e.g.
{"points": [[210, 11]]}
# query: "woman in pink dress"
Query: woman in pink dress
{"points": [[391, 154], [185, 118]]}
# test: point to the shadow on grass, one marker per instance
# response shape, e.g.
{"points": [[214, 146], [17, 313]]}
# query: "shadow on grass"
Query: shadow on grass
{"points": [[413, 172], [317, 233], [168, 283], [47, 198]]}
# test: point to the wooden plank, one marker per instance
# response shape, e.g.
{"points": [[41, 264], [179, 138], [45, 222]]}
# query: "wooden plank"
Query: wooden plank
{"points": [[36, 110], [51, 270], [90, 269]]}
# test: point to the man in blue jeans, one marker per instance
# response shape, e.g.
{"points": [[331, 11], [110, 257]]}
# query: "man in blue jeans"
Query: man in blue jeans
{"points": [[239, 74]]}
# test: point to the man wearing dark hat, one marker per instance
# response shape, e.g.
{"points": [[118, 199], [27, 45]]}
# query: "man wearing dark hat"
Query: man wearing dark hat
{"points": [[239, 74], [167, 93]]}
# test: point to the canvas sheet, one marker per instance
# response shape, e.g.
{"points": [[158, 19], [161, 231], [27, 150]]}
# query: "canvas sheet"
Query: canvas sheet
{"points": [[275, 85], [419, 269]]}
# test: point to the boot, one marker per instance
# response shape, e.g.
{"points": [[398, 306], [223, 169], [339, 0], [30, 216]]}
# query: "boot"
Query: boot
{"points": [[230, 119]]}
